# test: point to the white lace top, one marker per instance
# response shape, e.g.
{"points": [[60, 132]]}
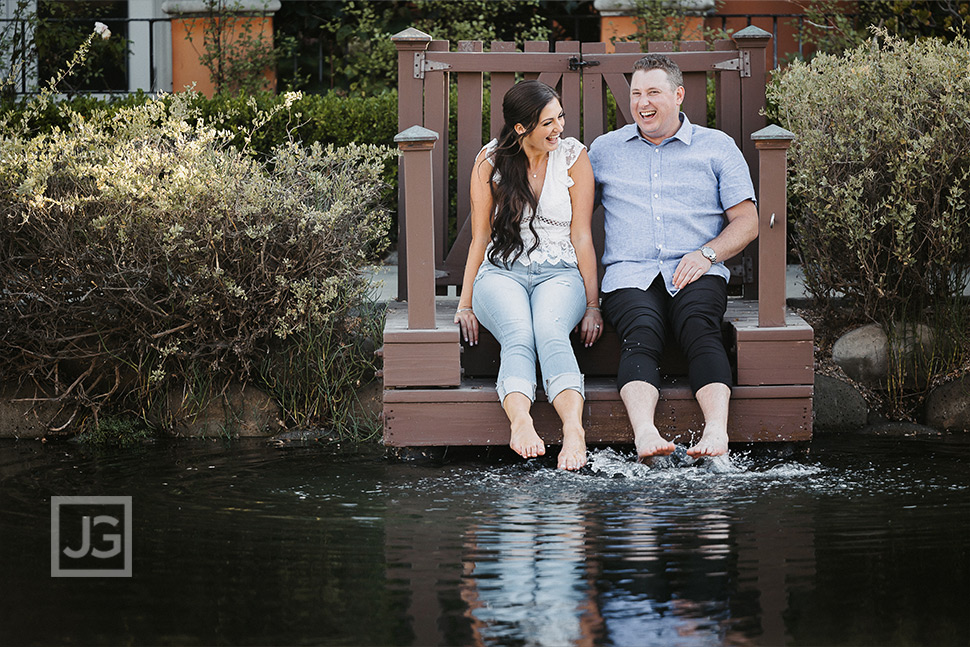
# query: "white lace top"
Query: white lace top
{"points": [[555, 211]]}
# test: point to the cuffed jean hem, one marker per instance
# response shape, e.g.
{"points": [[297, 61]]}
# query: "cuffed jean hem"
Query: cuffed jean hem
{"points": [[515, 385], [560, 383]]}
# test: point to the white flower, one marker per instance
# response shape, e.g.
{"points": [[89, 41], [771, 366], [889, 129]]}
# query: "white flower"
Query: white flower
{"points": [[102, 30]]}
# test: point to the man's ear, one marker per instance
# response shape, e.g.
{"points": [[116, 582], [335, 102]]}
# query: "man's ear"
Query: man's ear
{"points": [[679, 94]]}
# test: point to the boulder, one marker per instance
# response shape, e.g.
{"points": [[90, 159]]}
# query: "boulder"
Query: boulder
{"points": [[241, 411], [863, 354], [838, 406], [948, 405], [867, 353]]}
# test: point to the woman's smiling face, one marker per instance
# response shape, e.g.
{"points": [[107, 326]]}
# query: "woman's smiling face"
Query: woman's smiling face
{"points": [[545, 136]]}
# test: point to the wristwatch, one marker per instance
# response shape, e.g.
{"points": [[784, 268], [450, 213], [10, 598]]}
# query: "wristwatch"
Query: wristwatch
{"points": [[709, 254]]}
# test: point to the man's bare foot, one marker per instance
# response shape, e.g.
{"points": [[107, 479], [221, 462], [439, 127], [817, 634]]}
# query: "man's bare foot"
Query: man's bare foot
{"points": [[525, 441], [712, 443], [649, 443], [573, 454]]}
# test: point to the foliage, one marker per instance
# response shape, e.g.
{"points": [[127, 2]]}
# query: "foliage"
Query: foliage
{"points": [[234, 48], [879, 177], [115, 430], [354, 36], [663, 20], [327, 119], [141, 248], [831, 30]]}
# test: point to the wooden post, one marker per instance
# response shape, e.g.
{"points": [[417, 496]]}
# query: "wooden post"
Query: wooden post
{"points": [[410, 110], [772, 144], [416, 145]]}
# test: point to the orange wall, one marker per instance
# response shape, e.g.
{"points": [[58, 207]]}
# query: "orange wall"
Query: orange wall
{"points": [[186, 66]]}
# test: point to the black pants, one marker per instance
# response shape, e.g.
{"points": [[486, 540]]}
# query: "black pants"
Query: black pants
{"points": [[644, 318]]}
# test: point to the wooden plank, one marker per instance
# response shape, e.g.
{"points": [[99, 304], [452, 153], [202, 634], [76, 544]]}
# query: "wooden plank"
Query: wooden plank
{"points": [[570, 92], [502, 80], [483, 422], [536, 47], [695, 87], [597, 389], [776, 362], [426, 364], [728, 96], [594, 97], [469, 129], [436, 114], [506, 60]]}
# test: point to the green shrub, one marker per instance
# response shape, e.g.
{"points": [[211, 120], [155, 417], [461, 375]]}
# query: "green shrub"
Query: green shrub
{"points": [[879, 174], [142, 249], [326, 119]]}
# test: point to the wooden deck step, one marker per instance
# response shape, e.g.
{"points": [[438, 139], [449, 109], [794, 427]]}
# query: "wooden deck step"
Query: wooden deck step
{"points": [[471, 415], [439, 391]]}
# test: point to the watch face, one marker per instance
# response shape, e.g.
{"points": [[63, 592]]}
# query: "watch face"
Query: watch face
{"points": [[709, 254]]}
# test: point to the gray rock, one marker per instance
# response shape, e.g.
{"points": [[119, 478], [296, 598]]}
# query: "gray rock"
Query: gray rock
{"points": [[948, 405], [867, 354], [899, 428], [863, 354], [22, 415], [837, 405], [242, 411]]}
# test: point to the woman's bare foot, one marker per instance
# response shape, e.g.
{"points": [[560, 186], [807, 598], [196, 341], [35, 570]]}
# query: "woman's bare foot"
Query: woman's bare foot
{"points": [[525, 441], [573, 454], [713, 442], [649, 443]]}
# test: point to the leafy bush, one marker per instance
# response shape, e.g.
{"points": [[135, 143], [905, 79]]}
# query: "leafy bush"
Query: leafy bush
{"points": [[880, 171], [326, 119], [142, 251]]}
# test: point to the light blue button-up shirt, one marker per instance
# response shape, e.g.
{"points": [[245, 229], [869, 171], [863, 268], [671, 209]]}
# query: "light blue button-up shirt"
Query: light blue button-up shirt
{"points": [[664, 200]]}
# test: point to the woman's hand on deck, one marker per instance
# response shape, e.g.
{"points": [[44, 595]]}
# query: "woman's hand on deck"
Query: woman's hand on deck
{"points": [[591, 327], [468, 322]]}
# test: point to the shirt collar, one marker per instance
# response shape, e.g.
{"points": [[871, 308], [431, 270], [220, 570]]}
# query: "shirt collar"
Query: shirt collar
{"points": [[683, 133]]}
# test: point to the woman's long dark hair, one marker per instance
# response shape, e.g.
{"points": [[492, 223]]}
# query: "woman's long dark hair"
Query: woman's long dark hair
{"points": [[522, 105]]}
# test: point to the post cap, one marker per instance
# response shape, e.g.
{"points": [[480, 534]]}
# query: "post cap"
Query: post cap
{"points": [[410, 34], [751, 32], [416, 134], [772, 132]]}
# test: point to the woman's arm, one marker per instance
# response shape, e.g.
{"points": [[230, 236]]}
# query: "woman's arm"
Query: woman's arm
{"points": [[481, 215], [580, 233]]}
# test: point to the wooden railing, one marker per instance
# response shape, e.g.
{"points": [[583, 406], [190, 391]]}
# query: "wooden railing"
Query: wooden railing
{"points": [[587, 77]]}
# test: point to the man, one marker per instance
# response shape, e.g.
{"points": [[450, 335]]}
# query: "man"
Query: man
{"points": [[679, 200]]}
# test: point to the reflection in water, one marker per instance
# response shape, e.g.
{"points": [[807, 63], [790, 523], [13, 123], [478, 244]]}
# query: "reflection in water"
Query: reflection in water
{"points": [[630, 555], [865, 542], [525, 574]]}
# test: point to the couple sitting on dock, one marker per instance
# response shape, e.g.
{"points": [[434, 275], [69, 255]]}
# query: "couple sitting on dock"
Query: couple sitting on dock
{"points": [[677, 198]]}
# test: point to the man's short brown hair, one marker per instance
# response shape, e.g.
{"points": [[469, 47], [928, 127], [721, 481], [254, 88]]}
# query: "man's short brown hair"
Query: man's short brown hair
{"points": [[661, 62]]}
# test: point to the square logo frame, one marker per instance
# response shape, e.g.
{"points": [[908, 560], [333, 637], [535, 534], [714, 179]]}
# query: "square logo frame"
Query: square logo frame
{"points": [[57, 502]]}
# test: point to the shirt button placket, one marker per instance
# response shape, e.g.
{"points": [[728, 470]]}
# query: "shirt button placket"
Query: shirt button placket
{"points": [[656, 185]]}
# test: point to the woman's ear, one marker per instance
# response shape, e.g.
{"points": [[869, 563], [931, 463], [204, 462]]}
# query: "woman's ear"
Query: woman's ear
{"points": [[519, 129]]}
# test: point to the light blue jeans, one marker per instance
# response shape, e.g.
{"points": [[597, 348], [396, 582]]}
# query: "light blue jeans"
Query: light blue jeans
{"points": [[531, 310]]}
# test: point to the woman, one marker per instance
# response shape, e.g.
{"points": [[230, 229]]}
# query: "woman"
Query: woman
{"points": [[530, 277]]}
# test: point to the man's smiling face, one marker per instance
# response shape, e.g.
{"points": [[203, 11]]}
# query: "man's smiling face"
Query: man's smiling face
{"points": [[655, 104]]}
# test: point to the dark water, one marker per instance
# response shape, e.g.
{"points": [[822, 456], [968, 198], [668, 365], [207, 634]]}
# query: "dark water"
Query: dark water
{"points": [[864, 542]]}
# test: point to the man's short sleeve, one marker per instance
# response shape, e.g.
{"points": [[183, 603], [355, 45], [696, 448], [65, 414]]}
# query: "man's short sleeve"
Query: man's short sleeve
{"points": [[734, 177]]}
